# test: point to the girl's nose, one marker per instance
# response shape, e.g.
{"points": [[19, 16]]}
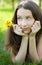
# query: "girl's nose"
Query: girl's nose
{"points": [[23, 24]]}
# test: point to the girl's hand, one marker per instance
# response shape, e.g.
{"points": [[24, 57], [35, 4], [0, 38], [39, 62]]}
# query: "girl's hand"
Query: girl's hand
{"points": [[18, 30], [35, 28]]}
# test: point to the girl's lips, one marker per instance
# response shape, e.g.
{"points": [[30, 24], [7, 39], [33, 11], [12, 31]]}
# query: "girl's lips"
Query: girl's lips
{"points": [[25, 29]]}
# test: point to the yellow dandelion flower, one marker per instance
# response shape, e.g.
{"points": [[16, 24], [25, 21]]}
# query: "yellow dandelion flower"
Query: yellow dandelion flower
{"points": [[8, 23]]}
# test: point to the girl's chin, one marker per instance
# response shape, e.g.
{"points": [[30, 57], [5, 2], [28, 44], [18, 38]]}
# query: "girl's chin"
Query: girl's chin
{"points": [[26, 30]]}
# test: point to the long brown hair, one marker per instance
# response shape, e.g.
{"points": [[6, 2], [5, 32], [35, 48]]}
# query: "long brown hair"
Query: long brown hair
{"points": [[14, 40]]}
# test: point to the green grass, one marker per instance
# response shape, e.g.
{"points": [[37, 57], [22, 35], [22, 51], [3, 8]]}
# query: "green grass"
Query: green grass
{"points": [[5, 58]]}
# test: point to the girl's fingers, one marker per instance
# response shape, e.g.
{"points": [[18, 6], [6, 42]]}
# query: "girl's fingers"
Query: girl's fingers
{"points": [[36, 27], [38, 22], [14, 26], [33, 28], [39, 25]]}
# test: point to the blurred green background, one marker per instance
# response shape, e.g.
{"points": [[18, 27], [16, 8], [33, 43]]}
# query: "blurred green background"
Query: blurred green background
{"points": [[7, 8]]}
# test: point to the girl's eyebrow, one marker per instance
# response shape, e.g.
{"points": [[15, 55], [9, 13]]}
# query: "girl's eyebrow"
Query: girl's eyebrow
{"points": [[25, 16], [29, 17], [19, 16]]}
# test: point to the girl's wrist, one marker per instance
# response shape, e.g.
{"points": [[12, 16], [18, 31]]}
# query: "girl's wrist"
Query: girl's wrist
{"points": [[32, 35]]}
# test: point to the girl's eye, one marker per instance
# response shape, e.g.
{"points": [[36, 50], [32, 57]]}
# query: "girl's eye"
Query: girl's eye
{"points": [[19, 18], [28, 18]]}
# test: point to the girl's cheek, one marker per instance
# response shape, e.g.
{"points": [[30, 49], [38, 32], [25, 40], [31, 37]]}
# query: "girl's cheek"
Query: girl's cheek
{"points": [[18, 23], [30, 23]]}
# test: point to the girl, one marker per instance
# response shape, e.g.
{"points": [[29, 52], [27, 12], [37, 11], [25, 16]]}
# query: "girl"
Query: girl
{"points": [[24, 38]]}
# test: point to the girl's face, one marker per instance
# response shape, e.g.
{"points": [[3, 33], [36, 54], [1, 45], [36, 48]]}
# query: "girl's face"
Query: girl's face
{"points": [[25, 18]]}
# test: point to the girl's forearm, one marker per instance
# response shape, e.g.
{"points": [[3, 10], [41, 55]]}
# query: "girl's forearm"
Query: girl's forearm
{"points": [[32, 48], [22, 51]]}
